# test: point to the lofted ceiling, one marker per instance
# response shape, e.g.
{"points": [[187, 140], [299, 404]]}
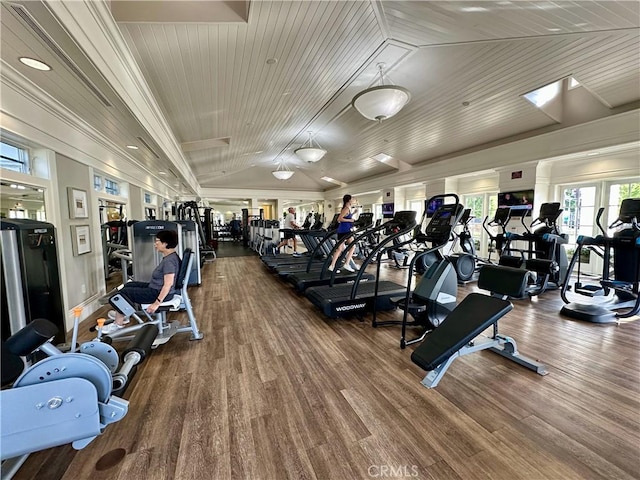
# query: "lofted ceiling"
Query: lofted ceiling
{"points": [[241, 83]]}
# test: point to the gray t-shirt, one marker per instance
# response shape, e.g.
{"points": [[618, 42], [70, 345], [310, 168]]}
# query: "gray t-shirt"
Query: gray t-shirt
{"points": [[169, 264]]}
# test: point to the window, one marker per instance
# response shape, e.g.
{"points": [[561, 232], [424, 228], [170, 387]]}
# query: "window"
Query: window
{"points": [[97, 183], [617, 193], [147, 198], [111, 187], [481, 205], [476, 204], [578, 218], [417, 206], [543, 95], [14, 158]]}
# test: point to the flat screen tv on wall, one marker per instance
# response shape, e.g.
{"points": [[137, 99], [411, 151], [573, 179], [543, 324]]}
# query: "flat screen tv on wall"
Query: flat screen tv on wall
{"points": [[387, 210], [520, 201]]}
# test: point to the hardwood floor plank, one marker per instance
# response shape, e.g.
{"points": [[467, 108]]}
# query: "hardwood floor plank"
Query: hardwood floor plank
{"points": [[274, 390]]}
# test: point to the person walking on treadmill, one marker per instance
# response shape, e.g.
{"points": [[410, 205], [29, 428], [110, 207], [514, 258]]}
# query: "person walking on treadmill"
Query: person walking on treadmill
{"points": [[288, 234], [344, 230]]}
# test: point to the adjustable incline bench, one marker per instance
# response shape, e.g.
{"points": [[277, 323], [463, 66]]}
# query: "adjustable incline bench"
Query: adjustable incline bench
{"points": [[456, 335]]}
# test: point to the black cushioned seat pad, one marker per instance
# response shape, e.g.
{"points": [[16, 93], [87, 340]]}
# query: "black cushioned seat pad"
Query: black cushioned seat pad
{"points": [[469, 319]]}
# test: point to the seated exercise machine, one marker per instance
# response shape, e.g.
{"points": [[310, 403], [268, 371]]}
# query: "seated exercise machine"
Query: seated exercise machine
{"points": [[624, 247], [166, 330], [63, 398], [435, 294], [459, 333]]}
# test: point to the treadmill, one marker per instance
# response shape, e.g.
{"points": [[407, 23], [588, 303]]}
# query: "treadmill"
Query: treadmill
{"points": [[349, 298], [321, 249], [318, 273]]}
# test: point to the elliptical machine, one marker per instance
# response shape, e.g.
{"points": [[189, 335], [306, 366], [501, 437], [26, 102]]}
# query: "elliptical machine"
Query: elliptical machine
{"points": [[466, 263], [545, 253], [497, 242], [624, 246]]}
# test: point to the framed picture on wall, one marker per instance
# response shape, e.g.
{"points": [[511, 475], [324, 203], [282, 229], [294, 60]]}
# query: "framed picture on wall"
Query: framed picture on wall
{"points": [[78, 207], [81, 240]]}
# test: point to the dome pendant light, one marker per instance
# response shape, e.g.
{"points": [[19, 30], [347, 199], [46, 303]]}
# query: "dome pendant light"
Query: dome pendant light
{"points": [[282, 172], [308, 152], [381, 102]]}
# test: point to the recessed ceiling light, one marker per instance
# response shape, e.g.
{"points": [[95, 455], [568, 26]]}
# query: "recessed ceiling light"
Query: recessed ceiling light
{"points": [[33, 63], [132, 147], [272, 61], [591, 154], [554, 29], [162, 173]]}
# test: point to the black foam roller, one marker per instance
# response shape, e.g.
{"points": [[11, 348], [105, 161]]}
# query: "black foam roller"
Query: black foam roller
{"points": [[142, 342]]}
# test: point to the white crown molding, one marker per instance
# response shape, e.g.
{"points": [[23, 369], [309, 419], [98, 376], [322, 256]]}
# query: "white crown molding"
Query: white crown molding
{"points": [[92, 26], [242, 194], [603, 133], [31, 113]]}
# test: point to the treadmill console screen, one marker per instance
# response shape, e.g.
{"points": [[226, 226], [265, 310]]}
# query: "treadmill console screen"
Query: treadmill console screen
{"points": [[404, 219], [442, 223]]}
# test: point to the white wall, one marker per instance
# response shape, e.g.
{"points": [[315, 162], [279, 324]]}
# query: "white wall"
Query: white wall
{"points": [[83, 280]]}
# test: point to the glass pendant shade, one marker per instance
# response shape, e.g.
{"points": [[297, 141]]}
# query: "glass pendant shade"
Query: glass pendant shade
{"points": [[282, 174], [381, 102], [310, 153]]}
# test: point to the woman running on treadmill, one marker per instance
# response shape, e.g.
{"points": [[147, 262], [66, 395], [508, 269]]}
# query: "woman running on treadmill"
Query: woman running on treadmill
{"points": [[345, 221]]}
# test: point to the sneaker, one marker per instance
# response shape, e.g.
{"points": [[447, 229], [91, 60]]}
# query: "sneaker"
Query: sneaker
{"points": [[112, 316], [332, 268], [348, 268], [354, 265], [112, 327], [296, 254]]}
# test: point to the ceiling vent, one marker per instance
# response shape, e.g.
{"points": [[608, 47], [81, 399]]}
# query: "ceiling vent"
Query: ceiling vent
{"points": [[148, 147], [31, 23]]}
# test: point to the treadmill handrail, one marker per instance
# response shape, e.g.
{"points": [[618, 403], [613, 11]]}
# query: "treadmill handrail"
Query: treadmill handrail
{"points": [[379, 248], [357, 236]]}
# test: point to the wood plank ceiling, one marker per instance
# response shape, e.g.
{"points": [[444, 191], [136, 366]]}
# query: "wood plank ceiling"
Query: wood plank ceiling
{"points": [[215, 80], [255, 88]]}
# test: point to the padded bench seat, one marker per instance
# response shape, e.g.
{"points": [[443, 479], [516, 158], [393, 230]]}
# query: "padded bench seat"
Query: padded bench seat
{"points": [[460, 327]]}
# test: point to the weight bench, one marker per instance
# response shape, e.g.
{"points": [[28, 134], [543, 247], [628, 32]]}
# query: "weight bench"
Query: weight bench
{"points": [[179, 302], [458, 334]]}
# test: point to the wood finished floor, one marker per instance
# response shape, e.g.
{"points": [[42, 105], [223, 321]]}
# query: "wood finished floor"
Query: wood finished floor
{"points": [[276, 391]]}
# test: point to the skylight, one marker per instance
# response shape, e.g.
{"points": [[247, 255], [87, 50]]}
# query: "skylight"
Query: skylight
{"points": [[543, 95]]}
